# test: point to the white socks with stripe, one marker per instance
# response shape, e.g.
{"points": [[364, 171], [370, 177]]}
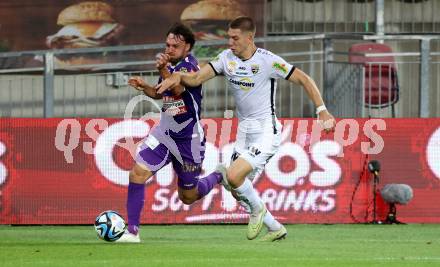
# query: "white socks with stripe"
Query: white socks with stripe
{"points": [[247, 193]]}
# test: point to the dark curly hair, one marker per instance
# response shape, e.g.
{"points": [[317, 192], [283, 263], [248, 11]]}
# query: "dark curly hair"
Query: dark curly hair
{"points": [[185, 32]]}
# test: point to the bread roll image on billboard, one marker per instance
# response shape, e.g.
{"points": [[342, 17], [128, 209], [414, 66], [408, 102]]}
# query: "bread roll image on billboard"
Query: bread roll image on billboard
{"points": [[86, 24], [209, 19]]}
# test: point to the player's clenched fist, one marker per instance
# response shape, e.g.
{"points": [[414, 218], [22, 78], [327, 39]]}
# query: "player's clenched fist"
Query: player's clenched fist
{"points": [[327, 121], [137, 82]]}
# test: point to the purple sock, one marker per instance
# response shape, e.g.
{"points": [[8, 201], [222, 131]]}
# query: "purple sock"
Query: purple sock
{"points": [[135, 202], [205, 184], [134, 229]]}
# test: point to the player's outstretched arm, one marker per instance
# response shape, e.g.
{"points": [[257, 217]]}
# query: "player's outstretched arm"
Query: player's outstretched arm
{"points": [[309, 85], [139, 84], [190, 79]]}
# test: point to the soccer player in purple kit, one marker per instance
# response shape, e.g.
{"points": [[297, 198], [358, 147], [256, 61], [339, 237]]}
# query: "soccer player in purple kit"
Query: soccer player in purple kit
{"points": [[179, 137]]}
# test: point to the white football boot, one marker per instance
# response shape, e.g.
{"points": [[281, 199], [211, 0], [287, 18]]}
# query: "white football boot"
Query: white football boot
{"points": [[128, 237]]}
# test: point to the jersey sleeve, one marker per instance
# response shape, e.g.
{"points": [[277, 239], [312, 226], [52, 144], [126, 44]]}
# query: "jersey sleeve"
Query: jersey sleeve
{"points": [[279, 68], [217, 63]]}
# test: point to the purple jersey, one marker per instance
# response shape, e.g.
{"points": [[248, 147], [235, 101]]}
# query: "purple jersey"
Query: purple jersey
{"points": [[180, 116]]}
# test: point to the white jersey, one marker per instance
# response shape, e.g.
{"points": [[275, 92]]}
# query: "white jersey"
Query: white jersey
{"points": [[253, 81]]}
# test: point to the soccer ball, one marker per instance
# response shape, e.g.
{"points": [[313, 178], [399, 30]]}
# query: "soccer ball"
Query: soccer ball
{"points": [[110, 226]]}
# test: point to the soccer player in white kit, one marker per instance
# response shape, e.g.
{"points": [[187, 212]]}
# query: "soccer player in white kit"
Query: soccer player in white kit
{"points": [[252, 73]]}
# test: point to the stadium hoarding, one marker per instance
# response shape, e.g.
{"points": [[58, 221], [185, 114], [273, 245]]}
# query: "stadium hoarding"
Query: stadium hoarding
{"points": [[65, 24], [66, 171]]}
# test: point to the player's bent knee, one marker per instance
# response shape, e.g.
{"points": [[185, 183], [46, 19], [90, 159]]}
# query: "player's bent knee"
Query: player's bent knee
{"points": [[187, 201], [231, 174], [139, 174], [234, 178], [238, 171], [188, 196]]}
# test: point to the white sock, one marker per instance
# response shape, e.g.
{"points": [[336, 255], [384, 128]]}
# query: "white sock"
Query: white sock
{"points": [[247, 193], [270, 221]]}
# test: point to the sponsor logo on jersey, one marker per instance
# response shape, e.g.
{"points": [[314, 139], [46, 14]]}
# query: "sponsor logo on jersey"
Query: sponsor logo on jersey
{"points": [[241, 73], [245, 83], [173, 105], [263, 52], [255, 68], [191, 167], [253, 151], [231, 66], [151, 142], [235, 156], [279, 66]]}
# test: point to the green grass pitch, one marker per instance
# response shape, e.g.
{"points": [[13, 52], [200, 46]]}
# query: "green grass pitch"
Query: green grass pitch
{"points": [[224, 245]]}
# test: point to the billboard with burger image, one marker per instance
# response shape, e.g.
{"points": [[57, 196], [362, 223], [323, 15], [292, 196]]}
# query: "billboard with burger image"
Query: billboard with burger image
{"points": [[29, 25], [209, 19], [86, 24]]}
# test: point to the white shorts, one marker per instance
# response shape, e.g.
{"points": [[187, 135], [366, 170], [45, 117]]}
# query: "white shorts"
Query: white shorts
{"points": [[257, 142]]}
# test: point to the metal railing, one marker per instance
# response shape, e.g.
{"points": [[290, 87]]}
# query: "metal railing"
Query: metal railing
{"points": [[55, 90], [352, 16], [415, 69]]}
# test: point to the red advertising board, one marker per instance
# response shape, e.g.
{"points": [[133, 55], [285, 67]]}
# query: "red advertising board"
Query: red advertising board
{"points": [[66, 171]]}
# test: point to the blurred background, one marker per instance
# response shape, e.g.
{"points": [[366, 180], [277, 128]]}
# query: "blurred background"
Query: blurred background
{"points": [[72, 59], [369, 58]]}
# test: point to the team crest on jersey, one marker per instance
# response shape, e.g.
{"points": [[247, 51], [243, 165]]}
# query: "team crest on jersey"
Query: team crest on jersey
{"points": [[231, 66], [279, 66], [183, 69], [255, 68]]}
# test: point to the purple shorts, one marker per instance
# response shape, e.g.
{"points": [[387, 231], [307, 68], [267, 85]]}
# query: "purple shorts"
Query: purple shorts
{"points": [[185, 155]]}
